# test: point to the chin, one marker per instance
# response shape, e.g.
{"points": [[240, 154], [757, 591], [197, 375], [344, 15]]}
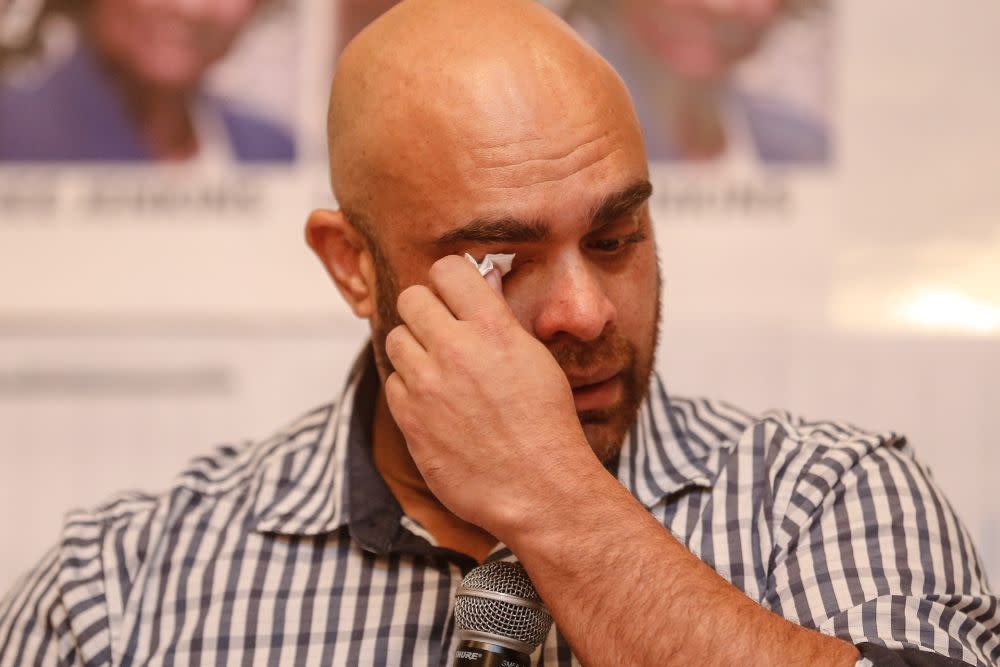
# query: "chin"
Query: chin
{"points": [[605, 438]]}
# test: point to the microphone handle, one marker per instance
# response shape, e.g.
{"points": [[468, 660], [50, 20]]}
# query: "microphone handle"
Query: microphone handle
{"points": [[472, 653]]}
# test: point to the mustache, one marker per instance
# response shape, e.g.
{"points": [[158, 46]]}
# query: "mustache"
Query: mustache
{"points": [[610, 349]]}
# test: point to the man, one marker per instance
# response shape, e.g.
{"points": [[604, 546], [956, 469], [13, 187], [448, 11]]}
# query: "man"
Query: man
{"points": [[508, 420]]}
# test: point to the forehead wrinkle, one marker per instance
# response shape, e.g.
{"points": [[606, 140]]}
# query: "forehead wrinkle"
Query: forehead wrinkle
{"points": [[529, 181], [554, 158]]}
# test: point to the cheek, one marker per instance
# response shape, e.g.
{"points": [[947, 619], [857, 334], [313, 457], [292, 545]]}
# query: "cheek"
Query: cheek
{"points": [[633, 290], [635, 293]]}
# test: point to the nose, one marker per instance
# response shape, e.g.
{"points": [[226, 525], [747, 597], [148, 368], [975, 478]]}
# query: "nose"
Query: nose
{"points": [[573, 302]]}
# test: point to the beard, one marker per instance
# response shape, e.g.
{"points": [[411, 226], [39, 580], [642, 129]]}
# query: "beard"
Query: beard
{"points": [[606, 428]]}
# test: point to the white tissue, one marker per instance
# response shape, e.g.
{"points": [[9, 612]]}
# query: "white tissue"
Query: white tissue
{"points": [[499, 262]]}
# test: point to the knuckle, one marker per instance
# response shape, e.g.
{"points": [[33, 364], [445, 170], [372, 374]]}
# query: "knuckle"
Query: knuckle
{"points": [[450, 349], [424, 382]]}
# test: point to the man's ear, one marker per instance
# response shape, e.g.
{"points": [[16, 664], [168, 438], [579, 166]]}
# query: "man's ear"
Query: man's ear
{"points": [[346, 257]]}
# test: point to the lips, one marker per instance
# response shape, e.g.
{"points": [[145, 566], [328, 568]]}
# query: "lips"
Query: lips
{"points": [[583, 381], [596, 391]]}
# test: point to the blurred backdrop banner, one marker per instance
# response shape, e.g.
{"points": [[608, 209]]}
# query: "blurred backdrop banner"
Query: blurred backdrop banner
{"points": [[825, 195]]}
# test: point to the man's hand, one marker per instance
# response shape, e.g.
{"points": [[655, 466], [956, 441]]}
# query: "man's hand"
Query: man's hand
{"points": [[487, 412]]}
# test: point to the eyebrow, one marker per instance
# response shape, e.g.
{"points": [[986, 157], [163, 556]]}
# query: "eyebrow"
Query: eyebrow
{"points": [[620, 203], [493, 230]]}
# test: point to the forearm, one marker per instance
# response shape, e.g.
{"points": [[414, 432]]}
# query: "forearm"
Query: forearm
{"points": [[623, 590]]}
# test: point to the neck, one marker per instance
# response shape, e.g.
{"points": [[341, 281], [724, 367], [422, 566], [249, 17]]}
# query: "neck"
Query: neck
{"points": [[166, 124], [695, 117], [401, 475]]}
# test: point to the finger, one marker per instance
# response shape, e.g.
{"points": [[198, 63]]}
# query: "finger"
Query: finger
{"points": [[405, 352], [494, 280], [396, 395], [424, 313], [463, 290]]}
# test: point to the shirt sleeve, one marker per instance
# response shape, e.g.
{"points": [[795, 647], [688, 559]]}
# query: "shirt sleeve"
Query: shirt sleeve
{"points": [[873, 553], [34, 621], [57, 614]]}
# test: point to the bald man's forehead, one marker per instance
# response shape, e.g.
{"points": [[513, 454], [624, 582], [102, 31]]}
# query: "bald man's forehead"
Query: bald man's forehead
{"points": [[471, 108], [557, 179]]}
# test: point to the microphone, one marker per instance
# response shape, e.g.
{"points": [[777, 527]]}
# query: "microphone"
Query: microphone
{"points": [[499, 616]]}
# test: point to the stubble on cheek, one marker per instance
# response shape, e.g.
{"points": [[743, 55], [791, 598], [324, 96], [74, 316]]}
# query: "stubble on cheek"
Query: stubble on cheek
{"points": [[386, 294]]}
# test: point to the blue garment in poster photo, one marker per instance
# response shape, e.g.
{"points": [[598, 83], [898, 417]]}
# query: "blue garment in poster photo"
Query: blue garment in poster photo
{"points": [[75, 113]]}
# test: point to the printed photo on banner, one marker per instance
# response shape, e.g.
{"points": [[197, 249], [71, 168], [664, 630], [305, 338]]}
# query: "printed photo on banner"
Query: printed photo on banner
{"points": [[742, 80], [130, 81], [741, 84]]}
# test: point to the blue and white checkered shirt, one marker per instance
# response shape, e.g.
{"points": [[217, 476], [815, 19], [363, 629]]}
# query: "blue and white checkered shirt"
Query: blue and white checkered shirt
{"points": [[292, 551]]}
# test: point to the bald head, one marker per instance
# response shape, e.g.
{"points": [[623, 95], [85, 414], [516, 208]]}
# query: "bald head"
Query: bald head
{"points": [[488, 126], [453, 96]]}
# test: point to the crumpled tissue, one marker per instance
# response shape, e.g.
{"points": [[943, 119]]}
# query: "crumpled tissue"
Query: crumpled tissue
{"points": [[499, 262]]}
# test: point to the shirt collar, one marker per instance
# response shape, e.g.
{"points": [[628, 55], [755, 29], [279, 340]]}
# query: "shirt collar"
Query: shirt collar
{"points": [[662, 455], [331, 481], [309, 489]]}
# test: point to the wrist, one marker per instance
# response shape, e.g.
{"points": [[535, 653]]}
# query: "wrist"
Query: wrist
{"points": [[570, 498]]}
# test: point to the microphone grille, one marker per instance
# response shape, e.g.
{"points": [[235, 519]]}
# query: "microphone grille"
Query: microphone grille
{"points": [[522, 619]]}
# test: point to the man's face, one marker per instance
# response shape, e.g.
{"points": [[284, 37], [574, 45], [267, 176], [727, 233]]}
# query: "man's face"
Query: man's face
{"points": [[167, 43], [566, 193], [701, 39]]}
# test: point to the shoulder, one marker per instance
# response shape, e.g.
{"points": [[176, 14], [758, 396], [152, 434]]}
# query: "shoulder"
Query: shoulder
{"points": [[230, 476], [778, 447], [793, 448], [824, 450], [802, 468], [782, 455], [104, 553], [256, 139]]}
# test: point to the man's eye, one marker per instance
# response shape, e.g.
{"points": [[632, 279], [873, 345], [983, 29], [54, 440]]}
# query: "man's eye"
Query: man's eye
{"points": [[612, 246]]}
